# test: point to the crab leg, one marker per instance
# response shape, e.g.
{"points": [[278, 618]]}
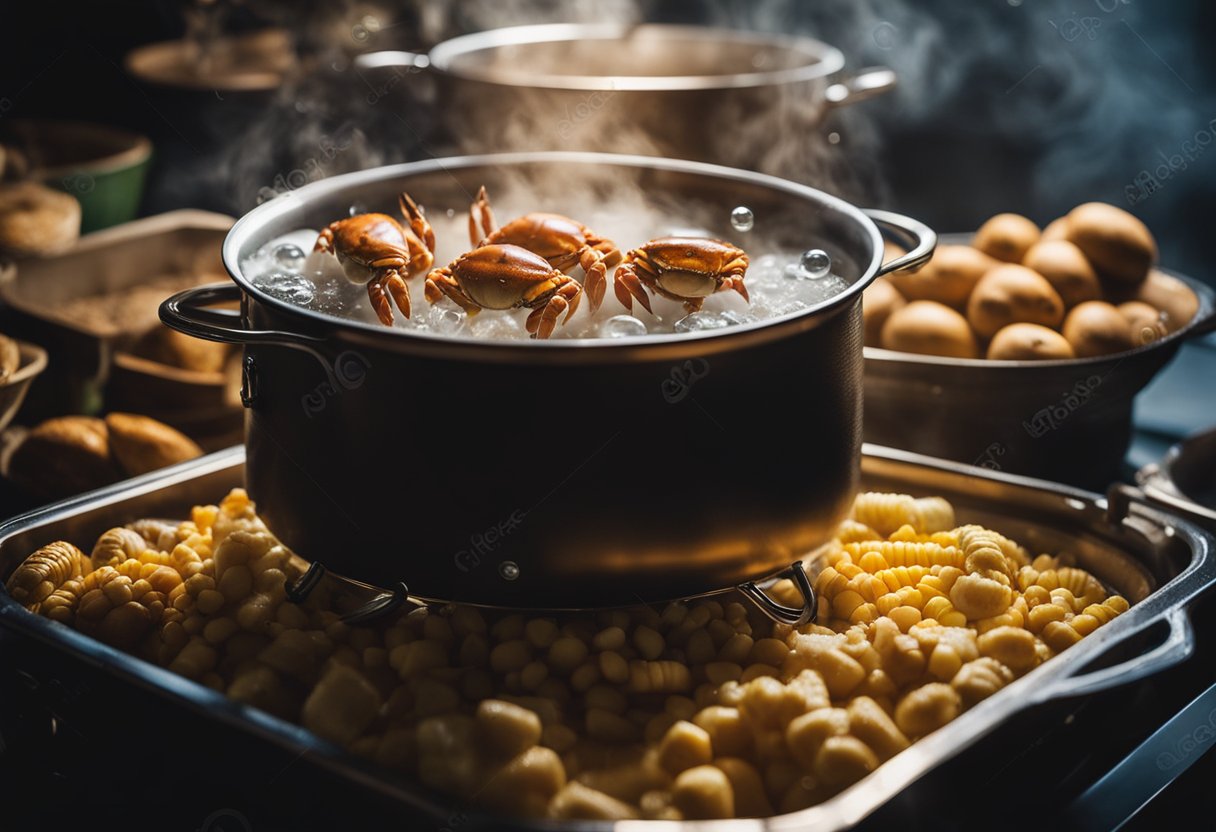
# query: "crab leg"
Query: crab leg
{"points": [[596, 281], [400, 292], [325, 240], [480, 214], [380, 304], [543, 319], [735, 284], [441, 282], [627, 286]]}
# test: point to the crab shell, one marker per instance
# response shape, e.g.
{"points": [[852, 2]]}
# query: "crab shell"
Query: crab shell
{"points": [[554, 237], [363, 240], [503, 276], [688, 267]]}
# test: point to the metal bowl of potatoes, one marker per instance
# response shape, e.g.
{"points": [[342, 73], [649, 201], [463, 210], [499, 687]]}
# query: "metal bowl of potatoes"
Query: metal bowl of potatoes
{"points": [[1024, 379]]}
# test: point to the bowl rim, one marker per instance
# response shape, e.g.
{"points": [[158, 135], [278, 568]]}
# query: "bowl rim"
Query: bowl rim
{"points": [[1206, 308], [748, 334], [251, 81], [828, 59], [137, 150]]}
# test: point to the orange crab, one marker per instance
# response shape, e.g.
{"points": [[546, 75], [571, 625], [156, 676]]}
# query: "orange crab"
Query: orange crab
{"points": [[562, 241], [687, 269], [378, 250], [507, 277]]}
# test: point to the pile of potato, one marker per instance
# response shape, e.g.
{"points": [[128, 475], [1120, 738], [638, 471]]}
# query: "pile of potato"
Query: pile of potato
{"points": [[688, 710], [1083, 286]]}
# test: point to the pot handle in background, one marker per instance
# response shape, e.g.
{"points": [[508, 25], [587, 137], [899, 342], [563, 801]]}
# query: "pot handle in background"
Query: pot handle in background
{"points": [[392, 58], [867, 83], [918, 238]]}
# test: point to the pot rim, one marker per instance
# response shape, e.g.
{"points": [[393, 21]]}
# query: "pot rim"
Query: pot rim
{"points": [[1205, 310], [829, 59], [659, 345]]}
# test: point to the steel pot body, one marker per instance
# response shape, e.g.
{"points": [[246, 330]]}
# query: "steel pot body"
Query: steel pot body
{"points": [[553, 473], [688, 92], [1066, 421]]}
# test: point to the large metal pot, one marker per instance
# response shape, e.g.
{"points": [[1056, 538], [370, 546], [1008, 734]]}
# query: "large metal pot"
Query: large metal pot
{"points": [[1067, 421], [690, 92], [555, 473]]}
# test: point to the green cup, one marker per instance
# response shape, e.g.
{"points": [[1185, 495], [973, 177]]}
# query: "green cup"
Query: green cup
{"points": [[104, 167]]}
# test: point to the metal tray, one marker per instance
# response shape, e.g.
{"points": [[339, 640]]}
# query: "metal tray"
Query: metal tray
{"points": [[184, 242], [1159, 561]]}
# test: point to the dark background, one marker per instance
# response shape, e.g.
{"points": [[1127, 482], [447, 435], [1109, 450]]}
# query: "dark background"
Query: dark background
{"points": [[1024, 105]]}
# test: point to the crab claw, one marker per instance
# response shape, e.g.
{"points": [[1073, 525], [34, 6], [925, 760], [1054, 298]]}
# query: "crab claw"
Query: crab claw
{"points": [[627, 287], [735, 283], [480, 214], [417, 221], [325, 240]]}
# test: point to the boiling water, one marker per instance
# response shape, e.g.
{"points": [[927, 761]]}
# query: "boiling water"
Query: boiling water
{"points": [[777, 283]]}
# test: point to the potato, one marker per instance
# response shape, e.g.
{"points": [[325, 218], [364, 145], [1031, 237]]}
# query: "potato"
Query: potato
{"points": [[1029, 342], [1066, 269], [1055, 230], [1006, 237], [1147, 322], [1118, 245], [1011, 294], [63, 456], [176, 349], [929, 328], [1097, 328], [36, 220], [1166, 293], [878, 301], [948, 278], [141, 444]]}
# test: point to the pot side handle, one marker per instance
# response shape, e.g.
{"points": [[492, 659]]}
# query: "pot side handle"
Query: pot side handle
{"points": [[867, 83], [187, 313], [392, 58], [918, 238], [1178, 646]]}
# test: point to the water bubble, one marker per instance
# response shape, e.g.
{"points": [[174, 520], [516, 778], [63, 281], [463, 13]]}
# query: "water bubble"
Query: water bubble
{"points": [[833, 137], [700, 322], [495, 324], [742, 218], [356, 208], [293, 288], [788, 308], [451, 212], [509, 570], [290, 256], [622, 326], [446, 321], [815, 264]]}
